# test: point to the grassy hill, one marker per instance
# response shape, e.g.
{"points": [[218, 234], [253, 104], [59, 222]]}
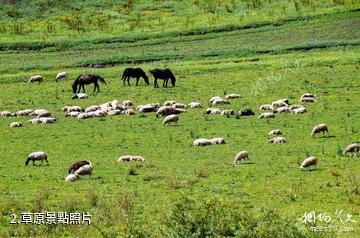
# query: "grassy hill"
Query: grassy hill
{"points": [[264, 50]]}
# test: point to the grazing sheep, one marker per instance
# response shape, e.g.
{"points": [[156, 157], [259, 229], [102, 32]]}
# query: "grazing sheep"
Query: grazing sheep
{"points": [[128, 103], [171, 119], [242, 155], [129, 112], [275, 132], [92, 108], [232, 96], [178, 105], [77, 165], [114, 112], [85, 169], [213, 111], [72, 177], [279, 103], [61, 75], [44, 114], [215, 98], [246, 112], [306, 99], [352, 149], [168, 110], [35, 121], [277, 140], [217, 141], [47, 120], [25, 112], [100, 113], [266, 115], [35, 78], [312, 160], [300, 110], [219, 101], [128, 158], [148, 108], [169, 103], [40, 155], [38, 112], [227, 112], [6, 114], [15, 124], [72, 114], [266, 107], [202, 142], [284, 109], [292, 107], [74, 109], [320, 128], [194, 105], [80, 96], [83, 115], [308, 95]]}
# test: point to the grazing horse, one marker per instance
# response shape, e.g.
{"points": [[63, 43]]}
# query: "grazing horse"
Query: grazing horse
{"points": [[134, 73], [164, 74], [83, 79]]}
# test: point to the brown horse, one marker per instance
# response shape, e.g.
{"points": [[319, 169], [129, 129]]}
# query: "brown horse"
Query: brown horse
{"points": [[83, 79]]}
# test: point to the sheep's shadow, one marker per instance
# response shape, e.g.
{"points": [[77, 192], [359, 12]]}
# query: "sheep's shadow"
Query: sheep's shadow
{"points": [[243, 163]]}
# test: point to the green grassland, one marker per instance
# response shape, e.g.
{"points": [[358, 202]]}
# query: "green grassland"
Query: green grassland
{"points": [[181, 190]]}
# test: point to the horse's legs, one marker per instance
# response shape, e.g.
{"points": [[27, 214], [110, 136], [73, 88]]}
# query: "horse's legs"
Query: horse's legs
{"points": [[83, 86], [78, 91], [155, 83], [137, 81], [47, 162], [128, 79], [167, 80], [98, 87], [124, 80], [164, 82]]}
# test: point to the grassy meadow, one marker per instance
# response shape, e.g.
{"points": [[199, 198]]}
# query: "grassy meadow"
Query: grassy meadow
{"points": [[263, 50]]}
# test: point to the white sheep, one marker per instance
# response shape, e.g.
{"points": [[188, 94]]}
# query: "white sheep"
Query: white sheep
{"points": [[215, 98], [307, 99], [227, 112], [75, 109], [194, 105], [217, 141], [35, 121], [284, 109], [128, 103], [44, 114], [308, 95], [72, 177], [39, 155], [219, 101], [15, 124], [266, 115], [92, 108], [80, 96], [312, 160], [129, 112], [147, 108], [352, 149], [72, 114], [300, 110], [275, 132], [35, 78], [232, 96], [114, 112], [39, 111], [169, 103], [178, 105], [292, 107], [47, 120], [277, 140], [25, 112], [171, 119], [61, 75], [242, 155], [83, 115], [322, 127], [279, 103], [6, 114], [213, 111], [128, 158], [202, 142], [266, 107], [84, 170]]}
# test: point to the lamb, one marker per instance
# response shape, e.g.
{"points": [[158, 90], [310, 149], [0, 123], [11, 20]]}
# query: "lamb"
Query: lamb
{"points": [[25, 112], [6, 114], [35, 78], [92, 108], [232, 96], [300, 110], [266, 107], [352, 149], [242, 155], [312, 160], [217, 141], [15, 124], [194, 105], [275, 132], [72, 114], [266, 115], [61, 75], [213, 111], [80, 96], [246, 112], [40, 155], [77, 165], [320, 128], [169, 103], [284, 109], [279, 103], [219, 101], [84, 170], [72, 177], [128, 103], [128, 158], [306, 99], [277, 140], [202, 142], [171, 119], [227, 112]]}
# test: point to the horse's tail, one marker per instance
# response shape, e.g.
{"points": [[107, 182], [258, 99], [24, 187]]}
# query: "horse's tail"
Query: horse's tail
{"points": [[102, 80], [124, 74]]}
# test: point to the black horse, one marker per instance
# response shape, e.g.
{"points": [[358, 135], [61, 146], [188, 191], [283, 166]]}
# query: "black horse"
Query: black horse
{"points": [[134, 73], [83, 79], [164, 74]]}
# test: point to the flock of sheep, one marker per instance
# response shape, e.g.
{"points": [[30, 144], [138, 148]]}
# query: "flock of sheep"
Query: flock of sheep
{"points": [[170, 111]]}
